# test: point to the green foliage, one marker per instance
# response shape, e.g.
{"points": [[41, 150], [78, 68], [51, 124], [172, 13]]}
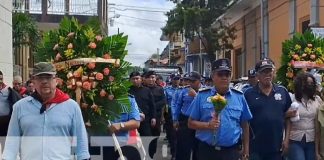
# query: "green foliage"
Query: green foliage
{"points": [[103, 92], [25, 31], [302, 47], [189, 15]]}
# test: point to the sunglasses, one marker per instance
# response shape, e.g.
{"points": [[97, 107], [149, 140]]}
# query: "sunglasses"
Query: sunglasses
{"points": [[223, 74]]}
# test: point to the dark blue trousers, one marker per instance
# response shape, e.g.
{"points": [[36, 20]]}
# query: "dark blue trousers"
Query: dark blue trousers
{"points": [[186, 141]]}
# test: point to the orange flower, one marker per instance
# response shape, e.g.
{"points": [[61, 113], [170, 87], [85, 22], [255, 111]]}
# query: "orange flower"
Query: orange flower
{"points": [[111, 78], [219, 102], [99, 76], [98, 38], [58, 57], [91, 65], [295, 56], [92, 45], [95, 108], [313, 56], [59, 81], [76, 74], [71, 34], [111, 97], [55, 47], [103, 93], [106, 71], [86, 85], [289, 74], [70, 46], [107, 56]]}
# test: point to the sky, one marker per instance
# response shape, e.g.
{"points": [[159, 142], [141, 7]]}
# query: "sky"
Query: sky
{"points": [[142, 27]]}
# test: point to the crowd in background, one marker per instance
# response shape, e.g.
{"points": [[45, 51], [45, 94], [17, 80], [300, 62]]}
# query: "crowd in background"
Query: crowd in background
{"points": [[261, 120]]}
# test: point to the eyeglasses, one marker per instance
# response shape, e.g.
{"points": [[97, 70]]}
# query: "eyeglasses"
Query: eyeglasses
{"points": [[47, 78], [223, 74]]}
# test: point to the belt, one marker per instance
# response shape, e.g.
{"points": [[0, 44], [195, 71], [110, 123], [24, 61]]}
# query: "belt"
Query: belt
{"points": [[219, 148]]}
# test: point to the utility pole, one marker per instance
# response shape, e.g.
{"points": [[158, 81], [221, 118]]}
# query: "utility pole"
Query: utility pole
{"points": [[169, 53], [158, 55], [200, 54]]}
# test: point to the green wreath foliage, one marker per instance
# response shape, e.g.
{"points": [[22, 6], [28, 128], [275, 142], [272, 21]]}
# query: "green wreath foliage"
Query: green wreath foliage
{"points": [[301, 47], [104, 86]]}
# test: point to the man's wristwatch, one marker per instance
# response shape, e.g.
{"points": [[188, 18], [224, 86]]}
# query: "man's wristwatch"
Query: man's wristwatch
{"points": [[122, 125]]}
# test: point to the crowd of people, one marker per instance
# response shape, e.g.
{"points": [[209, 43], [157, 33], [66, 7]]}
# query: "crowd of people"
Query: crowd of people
{"points": [[263, 121]]}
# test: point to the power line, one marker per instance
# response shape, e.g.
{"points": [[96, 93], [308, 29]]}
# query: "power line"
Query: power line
{"points": [[150, 8], [142, 18], [134, 9], [129, 24]]}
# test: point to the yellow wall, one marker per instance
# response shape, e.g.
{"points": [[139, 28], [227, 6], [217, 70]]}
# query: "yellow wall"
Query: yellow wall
{"points": [[303, 12], [278, 28], [321, 13], [279, 19]]}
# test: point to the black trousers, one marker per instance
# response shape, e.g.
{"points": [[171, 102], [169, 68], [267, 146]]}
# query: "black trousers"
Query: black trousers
{"points": [[186, 141], [156, 131], [206, 152], [145, 128], [170, 132]]}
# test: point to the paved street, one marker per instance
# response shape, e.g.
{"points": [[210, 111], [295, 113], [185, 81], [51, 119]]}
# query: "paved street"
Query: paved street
{"points": [[163, 152]]}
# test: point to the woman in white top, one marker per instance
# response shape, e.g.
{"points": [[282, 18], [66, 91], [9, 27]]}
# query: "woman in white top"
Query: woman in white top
{"points": [[302, 129]]}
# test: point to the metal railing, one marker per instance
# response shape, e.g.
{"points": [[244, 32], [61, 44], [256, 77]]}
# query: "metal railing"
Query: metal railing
{"points": [[58, 7]]}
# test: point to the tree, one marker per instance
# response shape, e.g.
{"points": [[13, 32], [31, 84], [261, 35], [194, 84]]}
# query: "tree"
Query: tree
{"points": [[25, 31], [191, 17]]}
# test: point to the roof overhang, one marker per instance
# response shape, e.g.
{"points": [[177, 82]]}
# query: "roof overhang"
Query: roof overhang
{"points": [[237, 11]]}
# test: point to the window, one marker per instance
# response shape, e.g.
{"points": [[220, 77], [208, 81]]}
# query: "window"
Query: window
{"points": [[305, 25]]}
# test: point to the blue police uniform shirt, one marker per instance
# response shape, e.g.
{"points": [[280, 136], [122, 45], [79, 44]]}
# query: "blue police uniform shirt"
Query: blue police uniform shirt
{"points": [[174, 102], [231, 117], [183, 103], [127, 114], [169, 92], [268, 120]]}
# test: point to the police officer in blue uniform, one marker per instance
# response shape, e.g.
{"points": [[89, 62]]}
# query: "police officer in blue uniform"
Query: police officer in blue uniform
{"points": [[128, 120], [252, 80], [184, 84], [169, 94], [219, 136], [269, 104], [185, 136]]}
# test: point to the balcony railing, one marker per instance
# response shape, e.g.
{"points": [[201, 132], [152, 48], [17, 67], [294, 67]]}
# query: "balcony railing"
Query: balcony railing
{"points": [[58, 7]]}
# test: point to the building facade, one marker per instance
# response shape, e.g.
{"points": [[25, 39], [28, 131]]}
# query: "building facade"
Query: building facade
{"points": [[262, 26], [48, 15], [6, 60]]}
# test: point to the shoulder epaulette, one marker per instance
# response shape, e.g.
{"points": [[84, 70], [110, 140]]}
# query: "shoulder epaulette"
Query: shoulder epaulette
{"points": [[185, 86], [204, 89], [236, 90]]}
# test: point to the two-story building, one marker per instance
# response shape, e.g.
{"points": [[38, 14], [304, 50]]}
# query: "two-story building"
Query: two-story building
{"points": [[262, 26], [48, 15], [6, 60]]}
